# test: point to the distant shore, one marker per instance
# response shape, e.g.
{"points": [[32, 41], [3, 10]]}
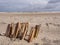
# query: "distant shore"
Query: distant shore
{"points": [[28, 13]]}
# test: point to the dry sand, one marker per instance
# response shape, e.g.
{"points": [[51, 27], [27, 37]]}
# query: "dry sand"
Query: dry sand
{"points": [[50, 27]]}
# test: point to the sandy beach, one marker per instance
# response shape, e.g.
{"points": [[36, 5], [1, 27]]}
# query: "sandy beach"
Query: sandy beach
{"points": [[49, 33]]}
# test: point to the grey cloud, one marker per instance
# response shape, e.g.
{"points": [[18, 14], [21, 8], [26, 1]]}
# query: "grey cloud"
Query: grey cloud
{"points": [[21, 5], [54, 1], [53, 5], [26, 5]]}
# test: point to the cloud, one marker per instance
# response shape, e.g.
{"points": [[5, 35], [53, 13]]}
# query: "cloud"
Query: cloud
{"points": [[53, 5], [15, 5], [29, 5], [54, 1]]}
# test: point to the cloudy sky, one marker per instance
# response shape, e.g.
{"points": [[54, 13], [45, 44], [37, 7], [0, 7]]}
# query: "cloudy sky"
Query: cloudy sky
{"points": [[29, 5]]}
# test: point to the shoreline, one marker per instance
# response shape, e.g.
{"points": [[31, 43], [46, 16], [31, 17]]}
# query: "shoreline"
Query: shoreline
{"points": [[28, 13]]}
